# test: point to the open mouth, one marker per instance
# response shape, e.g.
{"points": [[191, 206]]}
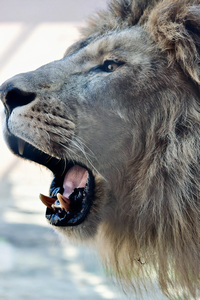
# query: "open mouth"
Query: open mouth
{"points": [[72, 189], [71, 196]]}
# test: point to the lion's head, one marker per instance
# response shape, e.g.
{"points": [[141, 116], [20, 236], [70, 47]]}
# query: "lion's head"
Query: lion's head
{"points": [[117, 121]]}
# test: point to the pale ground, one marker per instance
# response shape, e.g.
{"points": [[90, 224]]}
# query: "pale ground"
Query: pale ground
{"points": [[34, 264]]}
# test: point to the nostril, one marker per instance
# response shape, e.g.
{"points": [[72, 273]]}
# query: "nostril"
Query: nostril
{"points": [[15, 97]]}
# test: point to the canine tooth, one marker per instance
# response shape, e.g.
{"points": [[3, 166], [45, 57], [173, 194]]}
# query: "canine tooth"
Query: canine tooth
{"points": [[64, 202], [21, 145], [48, 201]]}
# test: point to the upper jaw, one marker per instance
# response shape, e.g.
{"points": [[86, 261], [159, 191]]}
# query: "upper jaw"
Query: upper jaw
{"points": [[27, 151]]}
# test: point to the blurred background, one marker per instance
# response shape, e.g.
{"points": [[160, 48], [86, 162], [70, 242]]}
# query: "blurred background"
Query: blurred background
{"points": [[34, 263]]}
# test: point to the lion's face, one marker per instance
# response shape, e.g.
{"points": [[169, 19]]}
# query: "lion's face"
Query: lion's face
{"points": [[117, 122], [85, 110]]}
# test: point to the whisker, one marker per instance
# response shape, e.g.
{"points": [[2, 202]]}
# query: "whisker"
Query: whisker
{"points": [[68, 149], [81, 148], [78, 139], [76, 147]]}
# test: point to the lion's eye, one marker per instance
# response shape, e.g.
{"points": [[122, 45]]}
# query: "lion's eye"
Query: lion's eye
{"points": [[110, 66]]}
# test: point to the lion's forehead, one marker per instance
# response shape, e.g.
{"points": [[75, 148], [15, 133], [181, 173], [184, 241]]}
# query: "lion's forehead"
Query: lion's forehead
{"points": [[127, 39], [130, 45]]}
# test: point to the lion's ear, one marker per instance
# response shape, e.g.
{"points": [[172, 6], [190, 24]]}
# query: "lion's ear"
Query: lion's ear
{"points": [[175, 26]]}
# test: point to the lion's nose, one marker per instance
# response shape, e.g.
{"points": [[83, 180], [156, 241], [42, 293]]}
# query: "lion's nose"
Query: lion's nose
{"points": [[13, 97]]}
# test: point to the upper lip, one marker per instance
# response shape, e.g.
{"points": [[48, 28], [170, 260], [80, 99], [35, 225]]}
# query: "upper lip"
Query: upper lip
{"points": [[57, 166]]}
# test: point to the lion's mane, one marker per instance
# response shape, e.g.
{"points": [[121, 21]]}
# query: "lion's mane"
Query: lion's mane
{"points": [[161, 222]]}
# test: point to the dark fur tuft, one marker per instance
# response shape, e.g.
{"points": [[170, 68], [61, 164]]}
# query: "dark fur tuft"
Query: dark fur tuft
{"points": [[121, 14]]}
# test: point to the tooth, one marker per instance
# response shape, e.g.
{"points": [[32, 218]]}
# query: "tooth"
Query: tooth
{"points": [[51, 202], [48, 201], [21, 145], [64, 202]]}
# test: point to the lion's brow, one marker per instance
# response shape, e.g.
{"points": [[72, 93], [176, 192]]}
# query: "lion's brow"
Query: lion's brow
{"points": [[79, 45]]}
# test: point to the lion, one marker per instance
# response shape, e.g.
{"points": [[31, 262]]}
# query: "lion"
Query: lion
{"points": [[117, 121]]}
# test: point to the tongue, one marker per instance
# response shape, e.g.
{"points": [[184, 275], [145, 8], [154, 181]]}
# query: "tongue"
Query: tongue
{"points": [[76, 177]]}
